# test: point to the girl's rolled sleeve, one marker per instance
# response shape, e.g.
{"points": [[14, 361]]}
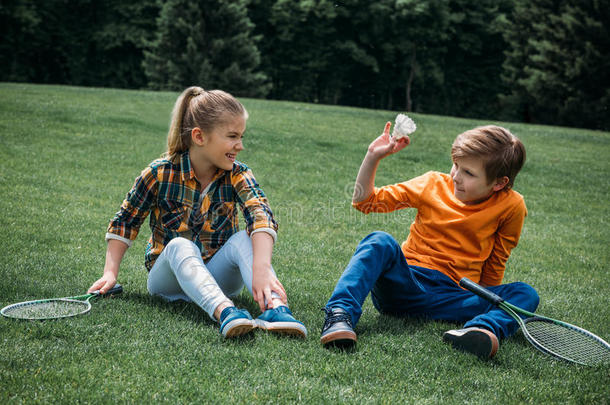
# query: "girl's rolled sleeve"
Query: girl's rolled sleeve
{"points": [[134, 209], [254, 204]]}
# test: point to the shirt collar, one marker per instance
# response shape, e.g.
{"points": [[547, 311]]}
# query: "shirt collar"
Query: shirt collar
{"points": [[187, 171]]}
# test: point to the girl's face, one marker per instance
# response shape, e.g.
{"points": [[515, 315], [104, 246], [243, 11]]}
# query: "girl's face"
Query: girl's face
{"points": [[224, 142], [470, 184]]}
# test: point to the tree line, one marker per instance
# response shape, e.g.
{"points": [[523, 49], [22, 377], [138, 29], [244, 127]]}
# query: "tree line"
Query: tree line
{"points": [[540, 61]]}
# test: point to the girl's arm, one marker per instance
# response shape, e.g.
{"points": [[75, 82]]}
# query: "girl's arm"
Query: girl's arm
{"points": [[381, 147], [114, 254], [126, 224], [260, 225], [264, 280]]}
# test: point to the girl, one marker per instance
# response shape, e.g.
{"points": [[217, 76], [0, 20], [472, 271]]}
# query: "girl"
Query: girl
{"points": [[195, 252]]}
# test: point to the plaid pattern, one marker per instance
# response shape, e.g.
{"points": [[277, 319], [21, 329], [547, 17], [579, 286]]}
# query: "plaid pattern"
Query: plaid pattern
{"points": [[172, 195]]}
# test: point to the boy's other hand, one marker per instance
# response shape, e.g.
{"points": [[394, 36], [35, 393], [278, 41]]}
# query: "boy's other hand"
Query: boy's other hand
{"points": [[386, 145]]}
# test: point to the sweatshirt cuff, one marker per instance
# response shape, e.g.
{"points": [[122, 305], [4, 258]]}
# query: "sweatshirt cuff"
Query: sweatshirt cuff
{"points": [[270, 231], [126, 241]]}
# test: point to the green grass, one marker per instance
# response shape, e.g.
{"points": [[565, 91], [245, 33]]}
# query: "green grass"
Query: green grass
{"points": [[69, 156]]}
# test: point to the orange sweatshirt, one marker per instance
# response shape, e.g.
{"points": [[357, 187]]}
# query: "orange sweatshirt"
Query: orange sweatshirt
{"points": [[459, 240]]}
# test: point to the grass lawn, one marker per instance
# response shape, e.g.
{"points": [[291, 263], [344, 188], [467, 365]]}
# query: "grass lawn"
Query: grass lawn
{"points": [[69, 156]]}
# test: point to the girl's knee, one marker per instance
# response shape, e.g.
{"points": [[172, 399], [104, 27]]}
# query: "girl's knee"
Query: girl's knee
{"points": [[240, 238], [181, 248], [178, 243], [238, 242]]}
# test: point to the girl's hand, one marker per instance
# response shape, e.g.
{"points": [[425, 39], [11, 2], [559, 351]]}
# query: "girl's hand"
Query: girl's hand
{"points": [[263, 283], [114, 254], [385, 145], [105, 283]]}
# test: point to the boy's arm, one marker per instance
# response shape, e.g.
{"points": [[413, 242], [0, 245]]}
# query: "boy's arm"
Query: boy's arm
{"points": [[381, 147], [507, 237]]}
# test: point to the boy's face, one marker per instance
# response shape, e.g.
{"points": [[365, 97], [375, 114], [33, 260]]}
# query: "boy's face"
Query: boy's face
{"points": [[470, 183]]}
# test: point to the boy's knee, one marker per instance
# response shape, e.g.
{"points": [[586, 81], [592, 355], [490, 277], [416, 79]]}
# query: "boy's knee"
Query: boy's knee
{"points": [[528, 296], [380, 238], [382, 243]]}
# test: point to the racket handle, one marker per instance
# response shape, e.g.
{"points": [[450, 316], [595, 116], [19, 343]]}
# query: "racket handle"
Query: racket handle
{"points": [[117, 289], [480, 291]]}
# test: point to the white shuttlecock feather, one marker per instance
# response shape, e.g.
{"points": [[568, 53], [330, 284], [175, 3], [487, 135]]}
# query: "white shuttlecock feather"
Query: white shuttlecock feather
{"points": [[403, 126]]}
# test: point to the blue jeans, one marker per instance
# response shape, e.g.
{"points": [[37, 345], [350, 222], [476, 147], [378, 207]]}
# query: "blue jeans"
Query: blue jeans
{"points": [[396, 288]]}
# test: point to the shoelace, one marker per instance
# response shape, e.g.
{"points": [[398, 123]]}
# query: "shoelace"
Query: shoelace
{"points": [[332, 318], [231, 310]]}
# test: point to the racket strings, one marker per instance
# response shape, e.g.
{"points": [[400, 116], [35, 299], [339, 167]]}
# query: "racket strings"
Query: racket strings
{"points": [[57, 308], [568, 343]]}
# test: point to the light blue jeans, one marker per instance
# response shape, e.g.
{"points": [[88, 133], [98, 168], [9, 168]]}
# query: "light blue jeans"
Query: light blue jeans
{"points": [[179, 272]]}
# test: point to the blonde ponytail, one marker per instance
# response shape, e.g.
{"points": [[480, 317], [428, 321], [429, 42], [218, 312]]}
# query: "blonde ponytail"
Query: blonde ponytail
{"points": [[194, 108], [176, 141]]}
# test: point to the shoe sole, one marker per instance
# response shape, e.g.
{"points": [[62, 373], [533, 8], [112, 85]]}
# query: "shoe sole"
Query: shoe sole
{"points": [[478, 342], [284, 328], [238, 327], [341, 338]]}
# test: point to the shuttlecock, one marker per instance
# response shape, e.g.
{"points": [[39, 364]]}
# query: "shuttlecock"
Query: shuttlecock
{"points": [[403, 126]]}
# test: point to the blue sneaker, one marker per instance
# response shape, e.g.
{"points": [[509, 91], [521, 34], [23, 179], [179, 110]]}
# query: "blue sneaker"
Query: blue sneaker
{"points": [[235, 322], [280, 320]]}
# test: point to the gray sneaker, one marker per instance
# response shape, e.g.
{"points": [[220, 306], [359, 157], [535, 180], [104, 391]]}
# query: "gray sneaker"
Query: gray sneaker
{"points": [[477, 341], [337, 330]]}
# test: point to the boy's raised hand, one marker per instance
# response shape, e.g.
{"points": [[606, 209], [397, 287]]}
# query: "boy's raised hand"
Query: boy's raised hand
{"points": [[386, 145], [381, 147]]}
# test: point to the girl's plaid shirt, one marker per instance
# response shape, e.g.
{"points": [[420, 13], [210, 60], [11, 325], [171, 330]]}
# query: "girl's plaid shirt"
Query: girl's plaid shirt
{"points": [[178, 207]]}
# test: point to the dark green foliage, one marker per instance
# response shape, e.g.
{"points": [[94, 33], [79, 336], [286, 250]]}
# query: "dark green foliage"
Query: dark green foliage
{"points": [[543, 61], [124, 30], [308, 48], [472, 64], [415, 36], [82, 42], [33, 44], [558, 62], [435, 56], [207, 43]]}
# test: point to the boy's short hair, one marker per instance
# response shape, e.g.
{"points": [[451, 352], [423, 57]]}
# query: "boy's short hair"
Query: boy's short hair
{"points": [[502, 152]]}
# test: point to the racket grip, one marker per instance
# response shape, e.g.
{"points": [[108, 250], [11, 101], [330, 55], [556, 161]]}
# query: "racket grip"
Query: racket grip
{"points": [[480, 291], [117, 289]]}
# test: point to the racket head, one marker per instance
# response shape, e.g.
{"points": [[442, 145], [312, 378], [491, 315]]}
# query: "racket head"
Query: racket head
{"points": [[54, 308], [565, 341]]}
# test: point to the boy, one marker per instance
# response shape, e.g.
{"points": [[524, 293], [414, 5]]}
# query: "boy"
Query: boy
{"points": [[467, 223]]}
